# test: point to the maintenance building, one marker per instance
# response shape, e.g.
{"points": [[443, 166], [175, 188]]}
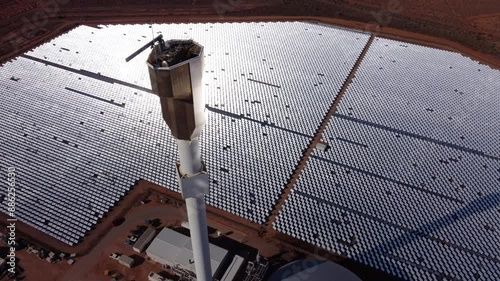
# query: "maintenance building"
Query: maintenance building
{"points": [[174, 249]]}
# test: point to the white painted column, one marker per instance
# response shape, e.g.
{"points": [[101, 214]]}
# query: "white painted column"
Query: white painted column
{"points": [[189, 156], [190, 164]]}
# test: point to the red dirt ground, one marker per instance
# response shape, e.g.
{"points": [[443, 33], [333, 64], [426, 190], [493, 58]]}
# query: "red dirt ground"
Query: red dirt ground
{"points": [[99, 245], [92, 265], [451, 12], [467, 26]]}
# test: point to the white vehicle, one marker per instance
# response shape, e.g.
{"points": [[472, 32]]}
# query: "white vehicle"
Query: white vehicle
{"points": [[114, 256]]}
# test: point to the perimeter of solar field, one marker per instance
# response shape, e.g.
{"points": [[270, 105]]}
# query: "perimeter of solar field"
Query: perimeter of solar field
{"points": [[409, 184]]}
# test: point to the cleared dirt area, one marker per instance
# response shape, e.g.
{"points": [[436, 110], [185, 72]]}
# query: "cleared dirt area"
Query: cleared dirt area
{"points": [[38, 269], [237, 234], [92, 265], [464, 25], [139, 192], [93, 253]]}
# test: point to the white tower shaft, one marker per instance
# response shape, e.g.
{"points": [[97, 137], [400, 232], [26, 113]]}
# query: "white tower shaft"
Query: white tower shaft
{"points": [[191, 167]]}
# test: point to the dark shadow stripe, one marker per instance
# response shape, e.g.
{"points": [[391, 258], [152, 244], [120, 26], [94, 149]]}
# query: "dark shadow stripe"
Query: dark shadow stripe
{"points": [[268, 84], [94, 97], [237, 116], [223, 112], [390, 180], [96, 76], [352, 142], [89, 74], [423, 268], [420, 232], [417, 136]]}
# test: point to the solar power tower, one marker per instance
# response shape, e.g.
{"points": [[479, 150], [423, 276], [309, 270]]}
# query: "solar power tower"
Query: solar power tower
{"points": [[176, 71]]}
